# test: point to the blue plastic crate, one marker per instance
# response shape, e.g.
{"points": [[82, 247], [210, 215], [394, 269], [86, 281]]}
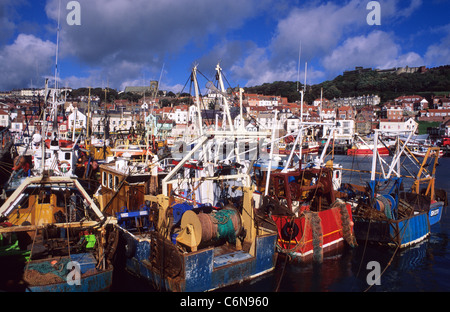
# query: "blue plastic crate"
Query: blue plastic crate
{"points": [[87, 261]]}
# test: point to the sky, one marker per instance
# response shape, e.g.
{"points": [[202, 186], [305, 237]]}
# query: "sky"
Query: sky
{"points": [[120, 43]]}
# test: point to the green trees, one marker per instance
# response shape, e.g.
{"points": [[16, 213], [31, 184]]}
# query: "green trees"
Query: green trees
{"points": [[387, 85]]}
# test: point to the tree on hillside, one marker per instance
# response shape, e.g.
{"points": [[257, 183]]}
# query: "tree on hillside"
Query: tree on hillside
{"points": [[387, 85]]}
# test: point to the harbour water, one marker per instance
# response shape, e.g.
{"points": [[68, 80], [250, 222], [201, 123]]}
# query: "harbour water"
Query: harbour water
{"points": [[422, 268]]}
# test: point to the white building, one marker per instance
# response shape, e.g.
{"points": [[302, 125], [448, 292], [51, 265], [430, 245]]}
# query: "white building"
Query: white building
{"points": [[292, 124], [193, 113], [362, 100], [345, 130], [79, 119], [328, 114], [4, 119], [265, 121], [397, 125], [122, 121], [180, 114]]}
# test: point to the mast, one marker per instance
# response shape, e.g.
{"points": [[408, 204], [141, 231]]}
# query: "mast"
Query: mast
{"points": [[197, 100], [241, 126], [222, 88], [266, 190], [321, 104], [374, 158], [88, 126], [302, 94], [57, 51]]}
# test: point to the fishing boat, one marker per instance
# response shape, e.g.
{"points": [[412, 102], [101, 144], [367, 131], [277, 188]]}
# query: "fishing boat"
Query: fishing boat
{"points": [[310, 219], [53, 160], [191, 246], [54, 238], [309, 146], [431, 199], [196, 230], [386, 215], [366, 149], [421, 150]]}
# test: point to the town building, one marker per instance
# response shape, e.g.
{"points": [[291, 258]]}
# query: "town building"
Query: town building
{"points": [[356, 101], [4, 119], [387, 125]]}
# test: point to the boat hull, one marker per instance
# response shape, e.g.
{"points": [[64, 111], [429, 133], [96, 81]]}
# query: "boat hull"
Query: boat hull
{"points": [[423, 154], [305, 151], [383, 151], [395, 233], [435, 212], [201, 270], [299, 241], [52, 275], [96, 282]]}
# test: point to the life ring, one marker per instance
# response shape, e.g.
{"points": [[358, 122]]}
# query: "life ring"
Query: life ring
{"points": [[289, 231], [64, 166]]}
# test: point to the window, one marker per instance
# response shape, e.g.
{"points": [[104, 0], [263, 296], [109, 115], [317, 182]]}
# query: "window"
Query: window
{"points": [[43, 198], [110, 181], [116, 182], [67, 156], [104, 179]]}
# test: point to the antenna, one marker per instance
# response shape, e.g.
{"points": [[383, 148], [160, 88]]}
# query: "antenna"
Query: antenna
{"points": [[57, 45], [298, 65], [159, 81], [306, 68]]}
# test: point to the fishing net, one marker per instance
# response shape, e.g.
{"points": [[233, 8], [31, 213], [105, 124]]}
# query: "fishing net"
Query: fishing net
{"points": [[346, 224], [42, 273], [317, 237], [225, 226]]}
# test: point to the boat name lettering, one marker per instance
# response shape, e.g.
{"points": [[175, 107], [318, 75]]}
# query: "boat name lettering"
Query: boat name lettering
{"points": [[434, 212]]}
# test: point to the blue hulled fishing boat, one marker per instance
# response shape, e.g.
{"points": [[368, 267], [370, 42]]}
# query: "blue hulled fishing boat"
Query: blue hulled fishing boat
{"points": [[191, 228], [386, 214]]}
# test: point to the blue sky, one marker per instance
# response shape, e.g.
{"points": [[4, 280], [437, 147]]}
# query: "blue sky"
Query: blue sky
{"points": [[130, 42]]}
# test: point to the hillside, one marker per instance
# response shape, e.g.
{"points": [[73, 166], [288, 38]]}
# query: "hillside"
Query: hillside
{"points": [[387, 85]]}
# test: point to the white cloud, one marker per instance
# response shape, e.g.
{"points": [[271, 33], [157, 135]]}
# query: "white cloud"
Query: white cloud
{"points": [[144, 33], [27, 58], [406, 12], [122, 41], [322, 31], [258, 69], [317, 28], [7, 13], [439, 53], [378, 50]]}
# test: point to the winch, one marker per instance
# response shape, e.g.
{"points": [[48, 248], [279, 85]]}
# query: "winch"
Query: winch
{"points": [[206, 229]]}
